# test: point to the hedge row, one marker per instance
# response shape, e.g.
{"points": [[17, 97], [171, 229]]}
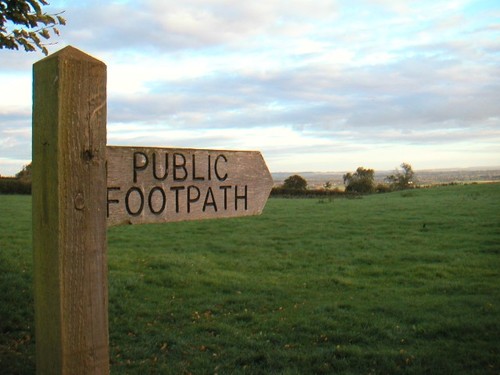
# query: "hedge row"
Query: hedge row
{"points": [[14, 186], [17, 186], [312, 193]]}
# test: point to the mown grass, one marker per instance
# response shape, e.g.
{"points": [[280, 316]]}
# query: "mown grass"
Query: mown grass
{"points": [[399, 283]]}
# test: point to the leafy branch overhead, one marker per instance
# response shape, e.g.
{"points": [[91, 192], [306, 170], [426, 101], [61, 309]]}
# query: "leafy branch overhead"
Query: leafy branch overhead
{"points": [[24, 24]]}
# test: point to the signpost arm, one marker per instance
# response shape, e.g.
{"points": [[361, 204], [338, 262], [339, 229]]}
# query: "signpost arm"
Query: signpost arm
{"points": [[69, 214]]}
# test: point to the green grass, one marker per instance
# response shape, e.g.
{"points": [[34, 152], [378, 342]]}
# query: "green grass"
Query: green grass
{"points": [[349, 286]]}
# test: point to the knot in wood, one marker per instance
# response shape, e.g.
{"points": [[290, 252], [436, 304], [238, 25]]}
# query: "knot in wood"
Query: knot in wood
{"points": [[88, 155], [79, 201]]}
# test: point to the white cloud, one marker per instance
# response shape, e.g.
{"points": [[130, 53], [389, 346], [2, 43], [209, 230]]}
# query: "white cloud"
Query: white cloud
{"points": [[16, 92]]}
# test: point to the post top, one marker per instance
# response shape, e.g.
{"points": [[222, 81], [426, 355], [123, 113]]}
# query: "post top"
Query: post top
{"points": [[71, 53]]}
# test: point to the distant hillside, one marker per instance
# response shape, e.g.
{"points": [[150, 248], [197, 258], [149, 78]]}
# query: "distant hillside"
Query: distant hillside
{"points": [[424, 177]]}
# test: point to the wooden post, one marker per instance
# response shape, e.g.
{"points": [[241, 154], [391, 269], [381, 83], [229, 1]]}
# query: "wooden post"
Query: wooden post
{"points": [[69, 214]]}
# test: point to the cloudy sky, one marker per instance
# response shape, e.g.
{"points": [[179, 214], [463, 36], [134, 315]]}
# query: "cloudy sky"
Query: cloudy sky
{"points": [[315, 85]]}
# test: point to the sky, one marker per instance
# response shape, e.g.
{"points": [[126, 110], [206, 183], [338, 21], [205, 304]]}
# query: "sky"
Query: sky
{"points": [[314, 85]]}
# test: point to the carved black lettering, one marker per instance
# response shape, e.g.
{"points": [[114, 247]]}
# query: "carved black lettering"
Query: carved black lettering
{"points": [[196, 178], [177, 189], [216, 167], [209, 167], [141, 200], [155, 167], [111, 200], [209, 200], [239, 197], [180, 171], [192, 198], [225, 188], [140, 163], [163, 200]]}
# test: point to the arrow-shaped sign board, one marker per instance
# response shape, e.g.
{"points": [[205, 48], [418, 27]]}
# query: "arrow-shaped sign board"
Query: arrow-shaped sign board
{"points": [[157, 185]]}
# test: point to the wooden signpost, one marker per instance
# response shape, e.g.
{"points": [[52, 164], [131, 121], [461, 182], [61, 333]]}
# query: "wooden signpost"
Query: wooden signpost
{"points": [[81, 186]]}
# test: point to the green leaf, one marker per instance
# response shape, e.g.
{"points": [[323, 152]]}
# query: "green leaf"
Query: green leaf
{"points": [[44, 34], [61, 20]]}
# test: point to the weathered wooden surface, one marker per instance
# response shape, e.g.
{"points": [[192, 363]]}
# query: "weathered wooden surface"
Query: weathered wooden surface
{"points": [[155, 185], [69, 214]]}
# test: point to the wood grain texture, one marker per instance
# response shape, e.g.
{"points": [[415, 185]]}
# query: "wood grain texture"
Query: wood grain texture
{"points": [[156, 185], [69, 214]]}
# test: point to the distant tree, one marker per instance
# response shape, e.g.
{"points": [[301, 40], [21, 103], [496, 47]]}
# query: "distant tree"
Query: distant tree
{"points": [[361, 181], [23, 23], [404, 179], [25, 173], [295, 182], [327, 185]]}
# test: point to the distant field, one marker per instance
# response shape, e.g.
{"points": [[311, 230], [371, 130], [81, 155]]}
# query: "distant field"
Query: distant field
{"points": [[399, 283], [423, 177]]}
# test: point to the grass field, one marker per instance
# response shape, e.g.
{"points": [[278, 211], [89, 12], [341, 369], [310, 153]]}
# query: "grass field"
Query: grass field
{"points": [[399, 283]]}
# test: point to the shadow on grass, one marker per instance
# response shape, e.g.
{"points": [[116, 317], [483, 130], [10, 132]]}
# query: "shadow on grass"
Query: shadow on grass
{"points": [[17, 346]]}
